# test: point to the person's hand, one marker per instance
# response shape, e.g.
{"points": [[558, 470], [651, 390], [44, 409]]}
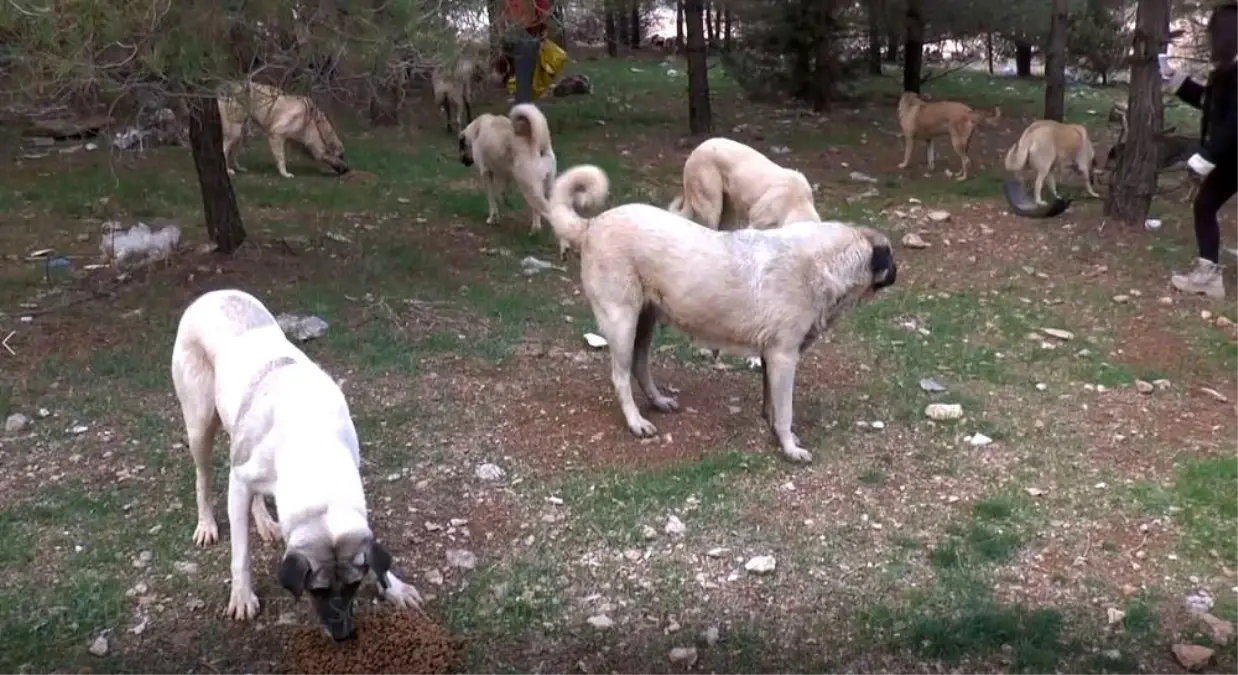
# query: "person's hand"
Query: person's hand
{"points": [[1200, 166]]}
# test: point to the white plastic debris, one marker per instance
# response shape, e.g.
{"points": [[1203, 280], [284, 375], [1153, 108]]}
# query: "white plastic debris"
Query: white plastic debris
{"points": [[138, 242], [594, 340]]}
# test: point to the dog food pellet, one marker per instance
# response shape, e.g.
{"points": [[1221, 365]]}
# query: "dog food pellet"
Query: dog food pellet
{"points": [[388, 641]]}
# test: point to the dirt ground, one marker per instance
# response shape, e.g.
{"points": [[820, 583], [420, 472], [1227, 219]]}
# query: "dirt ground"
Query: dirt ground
{"points": [[1063, 524]]}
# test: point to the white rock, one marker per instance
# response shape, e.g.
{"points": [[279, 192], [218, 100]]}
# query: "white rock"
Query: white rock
{"points": [[683, 656], [186, 568], [99, 647], [461, 558], [489, 471], [595, 341], [939, 216], [1058, 333], [434, 577], [1144, 387], [1115, 615], [943, 411], [710, 636], [761, 564], [649, 533], [978, 439], [15, 423], [1034, 491], [862, 177], [878, 425], [717, 552], [675, 526], [600, 621], [913, 240]]}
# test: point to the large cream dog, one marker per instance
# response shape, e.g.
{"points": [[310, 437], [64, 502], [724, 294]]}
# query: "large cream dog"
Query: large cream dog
{"points": [[1045, 146], [747, 292], [292, 438], [510, 149], [921, 120], [727, 185], [283, 117], [452, 83]]}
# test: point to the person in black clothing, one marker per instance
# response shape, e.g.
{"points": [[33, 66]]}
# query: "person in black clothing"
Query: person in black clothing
{"points": [[1217, 160]]}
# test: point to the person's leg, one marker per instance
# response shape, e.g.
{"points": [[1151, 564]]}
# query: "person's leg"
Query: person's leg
{"points": [[525, 62], [1215, 190]]}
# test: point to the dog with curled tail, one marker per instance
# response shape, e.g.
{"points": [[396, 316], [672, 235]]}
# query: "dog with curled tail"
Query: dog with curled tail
{"points": [[768, 293], [291, 437], [516, 148]]}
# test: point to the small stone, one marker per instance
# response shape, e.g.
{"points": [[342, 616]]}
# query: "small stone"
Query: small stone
{"points": [[633, 555], [44, 412], [15, 423], [1144, 387], [489, 472], [1192, 657], [1215, 394], [1222, 322], [99, 647], [1058, 333], [675, 526], [762, 564], [878, 425], [913, 240], [1115, 615], [1165, 300], [939, 216], [461, 559], [143, 560], [1121, 299], [943, 411], [186, 568], [595, 341], [1112, 654], [649, 533], [434, 577], [1221, 630], [1034, 491], [1041, 386], [710, 636], [717, 552], [683, 656], [978, 439], [1161, 384], [1205, 315], [600, 621], [932, 386]]}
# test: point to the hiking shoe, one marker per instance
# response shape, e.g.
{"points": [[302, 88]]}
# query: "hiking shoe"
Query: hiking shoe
{"points": [[1205, 279]]}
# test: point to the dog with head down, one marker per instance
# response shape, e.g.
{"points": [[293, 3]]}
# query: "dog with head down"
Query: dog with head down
{"points": [[747, 292]]}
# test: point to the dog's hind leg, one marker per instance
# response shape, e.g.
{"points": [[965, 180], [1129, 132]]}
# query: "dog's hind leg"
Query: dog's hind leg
{"points": [[618, 325], [1038, 190], [278, 151], [268, 529], [932, 156], [645, 326], [194, 382], [780, 373], [909, 144], [961, 146], [767, 403]]}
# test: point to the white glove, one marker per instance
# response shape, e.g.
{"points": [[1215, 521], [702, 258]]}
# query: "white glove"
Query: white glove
{"points": [[1200, 166]]}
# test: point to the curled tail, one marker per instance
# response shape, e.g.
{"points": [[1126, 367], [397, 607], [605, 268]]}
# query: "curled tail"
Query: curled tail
{"points": [[530, 124], [1016, 156], [584, 186]]}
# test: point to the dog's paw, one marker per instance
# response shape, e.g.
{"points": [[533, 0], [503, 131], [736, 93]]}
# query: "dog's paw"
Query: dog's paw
{"points": [[797, 454], [492, 219], [231, 172], [243, 604], [401, 594], [206, 533], [665, 404], [903, 165], [642, 428], [268, 530], [285, 174]]}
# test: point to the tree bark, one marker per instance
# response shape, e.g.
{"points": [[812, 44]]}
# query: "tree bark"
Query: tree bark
{"points": [[988, 50], [726, 23], [1134, 178], [1023, 58], [679, 37], [700, 119], [1055, 64], [913, 47], [709, 23], [206, 142], [634, 27], [823, 61], [873, 10], [622, 36], [892, 45], [495, 29], [612, 40]]}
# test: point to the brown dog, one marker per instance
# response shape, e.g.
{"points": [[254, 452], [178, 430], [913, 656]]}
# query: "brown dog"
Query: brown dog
{"points": [[284, 117], [921, 120]]}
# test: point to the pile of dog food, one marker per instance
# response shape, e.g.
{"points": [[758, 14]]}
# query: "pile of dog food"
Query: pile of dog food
{"points": [[388, 641]]}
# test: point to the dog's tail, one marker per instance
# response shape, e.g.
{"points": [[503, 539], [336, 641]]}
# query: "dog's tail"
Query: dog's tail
{"points": [[676, 205], [584, 186], [530, 124], [1016, 156]]}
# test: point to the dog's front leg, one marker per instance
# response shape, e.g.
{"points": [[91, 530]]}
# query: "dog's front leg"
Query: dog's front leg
{"points": [[780, 369], [909, 144], [767, 403], [492, 197], [278, 151], [268, 529], [399, 593], [243, 603], [932, 157]]}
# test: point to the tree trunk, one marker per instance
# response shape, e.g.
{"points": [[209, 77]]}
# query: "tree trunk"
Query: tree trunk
{"points": [[709, 23], [1023, 58], [700, 119], [988, 50], [494, 15], [634, 28], [1134, 178], [1055, 64], [206, 142], [679, 38], [823, 61], [620, 17], [892, 45], [726, 22], [873, 8], [612, 40], [913, 47], [801, 48]]}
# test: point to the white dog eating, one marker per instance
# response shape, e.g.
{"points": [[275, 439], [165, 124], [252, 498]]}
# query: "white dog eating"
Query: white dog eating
{"points": [[292, 437]]}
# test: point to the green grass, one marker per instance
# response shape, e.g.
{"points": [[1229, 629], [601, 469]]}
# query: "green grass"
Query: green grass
{"points": [[1203, 500], [994, 533]]}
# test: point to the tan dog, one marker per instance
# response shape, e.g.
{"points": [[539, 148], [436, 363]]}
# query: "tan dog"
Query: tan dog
{"points": [[747, 292], [921, 120], [728, 185], [1047, 145], [453, 90], [509, 149], [283, 117]]}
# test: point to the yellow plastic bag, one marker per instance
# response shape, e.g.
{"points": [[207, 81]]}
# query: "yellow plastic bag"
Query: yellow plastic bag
{"points": [[550, 60]]}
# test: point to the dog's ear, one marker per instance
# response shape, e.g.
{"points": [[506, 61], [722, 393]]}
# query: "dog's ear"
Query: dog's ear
{"points": [[294, 573], [380, 562]]}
